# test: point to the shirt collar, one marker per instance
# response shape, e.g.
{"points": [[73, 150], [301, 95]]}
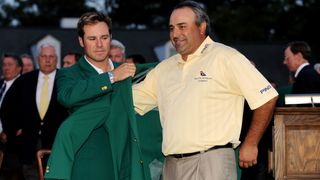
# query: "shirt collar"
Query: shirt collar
{"points": [[50, 75], [201, 49], [99, 71], [299, 69], [8, 83]]}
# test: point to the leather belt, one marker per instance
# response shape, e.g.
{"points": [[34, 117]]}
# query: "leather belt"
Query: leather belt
{"points": [[229, 145]]}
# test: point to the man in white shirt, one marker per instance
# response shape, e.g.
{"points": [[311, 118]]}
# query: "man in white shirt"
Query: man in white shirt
{"points": [[200, 94]]}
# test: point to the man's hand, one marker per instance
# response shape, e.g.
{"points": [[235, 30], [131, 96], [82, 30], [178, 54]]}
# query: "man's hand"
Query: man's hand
{"points": [[3, 137], [19, 132], [124, 71], [249, 149], [248, 155]]}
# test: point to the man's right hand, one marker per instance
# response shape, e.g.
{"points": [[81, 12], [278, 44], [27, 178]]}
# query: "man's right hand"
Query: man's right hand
{"points": [[3, 137], [124, 71]]}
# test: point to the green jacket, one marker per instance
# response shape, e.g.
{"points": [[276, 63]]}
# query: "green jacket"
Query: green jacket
{"points": [[89, 110]]}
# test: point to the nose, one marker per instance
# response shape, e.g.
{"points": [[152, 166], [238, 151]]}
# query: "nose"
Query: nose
{"points": [[99, 42], [284, 61], [174, 33]]}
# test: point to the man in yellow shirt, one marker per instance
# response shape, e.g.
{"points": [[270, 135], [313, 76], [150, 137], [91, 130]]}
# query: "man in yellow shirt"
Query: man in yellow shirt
{"points": [[200, 94]]}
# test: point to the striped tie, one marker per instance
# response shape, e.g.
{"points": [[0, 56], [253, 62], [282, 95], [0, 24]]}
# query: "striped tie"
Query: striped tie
{"points": [[3, 88]]}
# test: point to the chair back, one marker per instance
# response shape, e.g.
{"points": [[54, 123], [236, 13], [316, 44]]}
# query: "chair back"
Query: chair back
{"points": [[40, 154]]}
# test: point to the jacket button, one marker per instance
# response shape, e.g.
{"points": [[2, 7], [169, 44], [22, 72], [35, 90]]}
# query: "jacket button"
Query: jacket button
{"points": [[103, 88]]}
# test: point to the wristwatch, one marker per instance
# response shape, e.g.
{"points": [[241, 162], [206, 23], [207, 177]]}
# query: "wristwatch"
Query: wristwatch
{"points": [[111, 77]]}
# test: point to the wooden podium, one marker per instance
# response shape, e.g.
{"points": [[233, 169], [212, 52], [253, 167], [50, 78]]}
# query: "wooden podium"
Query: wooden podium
{"points": [[296, 141]]}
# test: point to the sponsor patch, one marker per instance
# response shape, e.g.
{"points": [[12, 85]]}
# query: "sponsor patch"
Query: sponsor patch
{"points": [[264, 90], [203, 77]]}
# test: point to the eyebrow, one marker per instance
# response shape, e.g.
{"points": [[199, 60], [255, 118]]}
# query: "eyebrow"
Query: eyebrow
{"points": [[99, 36], [179, 24]]}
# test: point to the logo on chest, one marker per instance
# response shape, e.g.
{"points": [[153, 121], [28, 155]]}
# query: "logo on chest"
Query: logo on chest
{"points": [[202, 77]]}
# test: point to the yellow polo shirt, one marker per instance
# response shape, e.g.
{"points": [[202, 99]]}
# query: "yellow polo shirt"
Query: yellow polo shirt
{"points": [[201, 100]]}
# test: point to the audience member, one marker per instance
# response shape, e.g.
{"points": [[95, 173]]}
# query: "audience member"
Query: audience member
{"points": [[38, 112], [71, 58], [27, 63], [11, 69], [117, 51], [296, 57], [200, 94], [136, 59]]}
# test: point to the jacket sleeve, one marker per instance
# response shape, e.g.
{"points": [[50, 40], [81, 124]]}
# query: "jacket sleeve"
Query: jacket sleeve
{"points": [[75, 90]]}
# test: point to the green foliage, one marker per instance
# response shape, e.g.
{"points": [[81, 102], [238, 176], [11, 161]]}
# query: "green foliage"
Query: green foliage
{"points": [[47, 13]]}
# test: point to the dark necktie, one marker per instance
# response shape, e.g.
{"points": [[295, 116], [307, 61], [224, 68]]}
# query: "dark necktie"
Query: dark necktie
{"points": [[3, 88]]}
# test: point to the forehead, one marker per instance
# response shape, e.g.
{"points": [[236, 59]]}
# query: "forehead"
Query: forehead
{"points": [[8, 60], [97, 29], [115, 50], [69, 57], [288, 51], [182, 15], [26, 59]]}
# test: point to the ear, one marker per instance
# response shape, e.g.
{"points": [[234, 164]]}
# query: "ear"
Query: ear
{"points": [[299, 55], [81, 41], [202, 28]]}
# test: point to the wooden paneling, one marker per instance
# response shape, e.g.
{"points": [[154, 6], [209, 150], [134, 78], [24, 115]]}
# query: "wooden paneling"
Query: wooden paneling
{"points": [[297, 143]]}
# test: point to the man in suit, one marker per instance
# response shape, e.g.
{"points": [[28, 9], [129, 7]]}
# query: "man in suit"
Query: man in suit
{"points": [[38, 112], [99, 139], [296, 57], [27, 61], [11, 68]]}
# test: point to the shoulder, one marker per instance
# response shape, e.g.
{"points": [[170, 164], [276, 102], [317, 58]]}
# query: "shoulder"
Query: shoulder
{"points": [[172, 60], [30, 75], [308, 71], [223, 51]]}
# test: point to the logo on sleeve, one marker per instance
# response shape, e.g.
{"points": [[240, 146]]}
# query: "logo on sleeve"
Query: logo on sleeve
{"points": [[264, 90], [204, 48]]}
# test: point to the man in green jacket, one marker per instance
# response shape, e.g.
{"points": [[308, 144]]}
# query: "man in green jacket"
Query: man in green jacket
{"points": [[99, 140]]}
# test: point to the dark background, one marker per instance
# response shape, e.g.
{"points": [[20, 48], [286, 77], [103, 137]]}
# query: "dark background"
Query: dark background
{"points": [[259, 29]]}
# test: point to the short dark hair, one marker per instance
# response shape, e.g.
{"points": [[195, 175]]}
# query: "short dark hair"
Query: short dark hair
{"points": [[199, 11], [26, 56], [92, 18], [77, 55], [15, 57], [137, 58], [300, 47]]}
